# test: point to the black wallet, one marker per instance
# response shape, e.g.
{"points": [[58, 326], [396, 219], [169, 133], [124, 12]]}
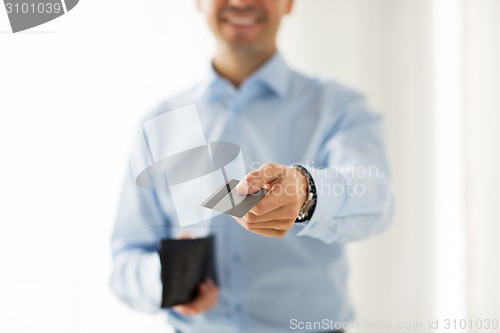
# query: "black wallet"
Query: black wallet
{"points": [[185, 263]]}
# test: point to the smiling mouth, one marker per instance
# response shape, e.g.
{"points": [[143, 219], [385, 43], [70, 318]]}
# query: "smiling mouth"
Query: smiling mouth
{"points": [[245, 17], [243, 21]]}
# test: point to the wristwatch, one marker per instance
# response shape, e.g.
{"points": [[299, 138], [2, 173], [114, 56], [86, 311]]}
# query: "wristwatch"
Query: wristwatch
{"points": [[309, 205]]}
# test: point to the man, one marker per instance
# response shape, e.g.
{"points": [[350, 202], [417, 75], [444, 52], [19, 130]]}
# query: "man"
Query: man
{"points": [[313, 144]]}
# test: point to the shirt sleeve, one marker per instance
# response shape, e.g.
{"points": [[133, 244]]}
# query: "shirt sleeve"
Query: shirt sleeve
{"points": [[354, 197], [140, 226]]}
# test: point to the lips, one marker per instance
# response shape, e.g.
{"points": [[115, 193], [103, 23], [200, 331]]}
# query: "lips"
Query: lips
{"points": [[245, 17], [244, 21]]}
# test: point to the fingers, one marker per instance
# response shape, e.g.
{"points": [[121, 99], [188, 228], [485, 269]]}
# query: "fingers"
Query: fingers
{"points": [[282, 194], [276, 213], [275, 228], [275, 225], [208, 292], [257, 179], [287, 212], [269, 227]]}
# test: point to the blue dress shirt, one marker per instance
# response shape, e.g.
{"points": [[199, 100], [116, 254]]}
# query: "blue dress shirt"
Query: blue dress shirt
{"points": [[268, 284]]}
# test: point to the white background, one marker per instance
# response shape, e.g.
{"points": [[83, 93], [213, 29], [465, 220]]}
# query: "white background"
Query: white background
{"points": [[72, 91]]}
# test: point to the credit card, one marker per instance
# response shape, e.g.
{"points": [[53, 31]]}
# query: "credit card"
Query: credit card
{"points": [[227, 200]]}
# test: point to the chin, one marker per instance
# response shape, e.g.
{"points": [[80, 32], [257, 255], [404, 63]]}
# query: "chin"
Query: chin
{"points": [[242, 39]]}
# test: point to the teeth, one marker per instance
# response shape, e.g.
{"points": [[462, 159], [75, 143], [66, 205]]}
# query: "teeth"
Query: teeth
{"points": [[242, 20]]}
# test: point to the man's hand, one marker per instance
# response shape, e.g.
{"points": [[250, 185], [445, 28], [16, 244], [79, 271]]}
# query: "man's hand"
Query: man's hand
{"points": [[275, 214], [206, 299]]}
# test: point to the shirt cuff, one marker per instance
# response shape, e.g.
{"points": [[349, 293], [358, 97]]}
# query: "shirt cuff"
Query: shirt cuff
{"points": [[151, 277], [329, 199]]}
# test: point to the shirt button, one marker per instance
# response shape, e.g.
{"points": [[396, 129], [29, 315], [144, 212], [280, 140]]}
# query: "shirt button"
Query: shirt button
{"points": [[238, 307], [236, 258]]}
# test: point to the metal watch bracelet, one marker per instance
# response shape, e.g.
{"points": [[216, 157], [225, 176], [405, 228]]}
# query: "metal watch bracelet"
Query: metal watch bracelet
{"points": [[307, 209]]}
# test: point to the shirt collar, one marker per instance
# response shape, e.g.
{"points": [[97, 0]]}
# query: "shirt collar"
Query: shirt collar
{"points": [[274, 74]]}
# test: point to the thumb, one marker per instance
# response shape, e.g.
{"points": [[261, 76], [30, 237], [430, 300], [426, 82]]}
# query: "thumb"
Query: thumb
{"points": [[257, 179]]}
